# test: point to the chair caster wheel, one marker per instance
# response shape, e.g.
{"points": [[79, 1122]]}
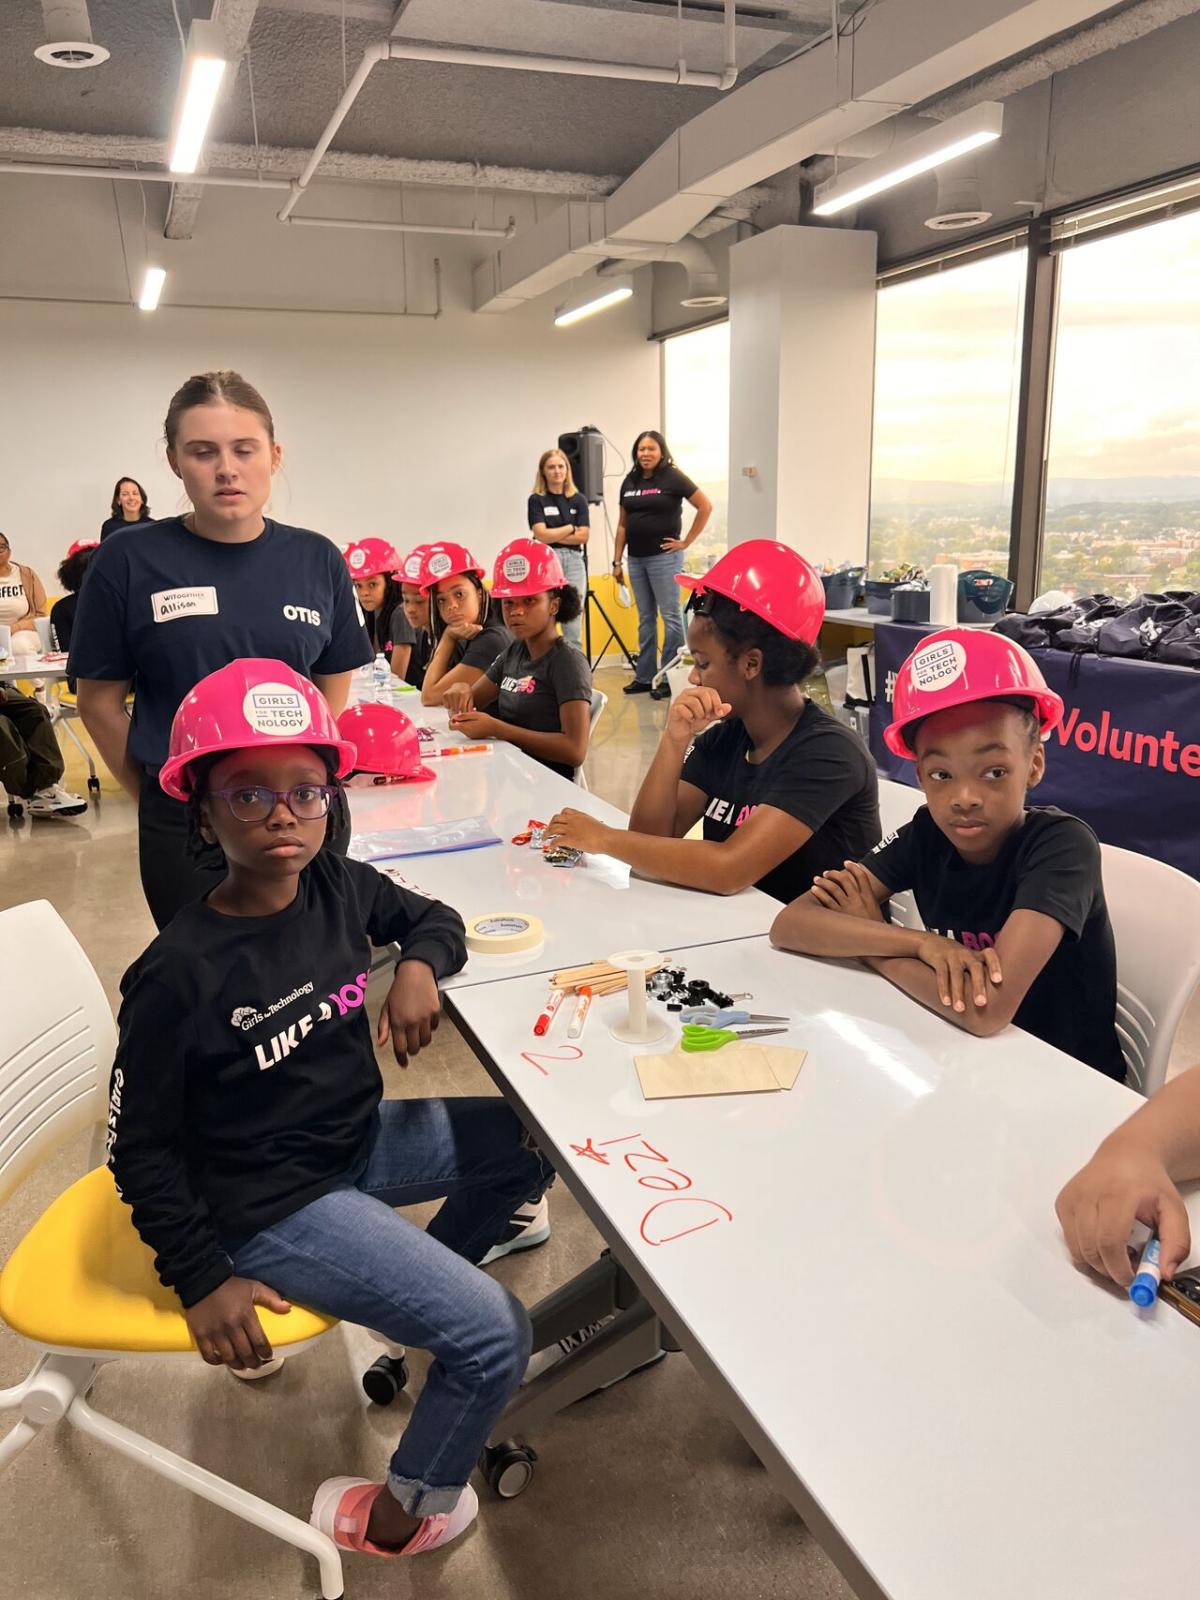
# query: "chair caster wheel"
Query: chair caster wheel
{"points": [[384, 1379], [15, 810], [93, 785], [508, 1468]]}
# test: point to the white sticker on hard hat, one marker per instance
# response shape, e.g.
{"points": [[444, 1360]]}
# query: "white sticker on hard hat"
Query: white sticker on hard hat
{"points": [[440, 564], [938, 665], [278, 710], [358, 558], [412, 568], [516, 569]]}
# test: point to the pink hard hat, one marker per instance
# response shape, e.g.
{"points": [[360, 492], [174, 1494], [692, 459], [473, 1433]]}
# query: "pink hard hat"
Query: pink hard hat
{"points": [[526, 567], [368, 558], [249, 705], [447, 560], [82, 544], [773, 581], [386, 742], [412, 568], [957, 667]]}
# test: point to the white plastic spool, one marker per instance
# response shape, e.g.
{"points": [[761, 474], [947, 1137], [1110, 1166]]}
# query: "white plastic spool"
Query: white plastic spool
{"points": [[639, 1025]]}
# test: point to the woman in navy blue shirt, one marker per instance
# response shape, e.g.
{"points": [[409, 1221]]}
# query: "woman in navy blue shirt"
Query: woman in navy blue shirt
{"points": [[166, 603], [559, 516], [129, 507]]}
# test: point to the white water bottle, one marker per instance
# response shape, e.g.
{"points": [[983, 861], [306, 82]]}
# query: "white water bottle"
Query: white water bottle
{"points": [[381, 676]]}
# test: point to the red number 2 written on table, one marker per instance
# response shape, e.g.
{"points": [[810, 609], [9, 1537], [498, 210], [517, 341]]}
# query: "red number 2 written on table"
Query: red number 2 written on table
{"points": [[698, 1213]]}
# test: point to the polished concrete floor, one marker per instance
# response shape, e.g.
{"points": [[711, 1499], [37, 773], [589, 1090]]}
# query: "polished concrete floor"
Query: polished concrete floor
{"points": [[644, 1491]]}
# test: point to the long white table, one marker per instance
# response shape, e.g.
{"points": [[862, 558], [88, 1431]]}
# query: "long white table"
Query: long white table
{"points": [[588, 911], [869, 1271]]}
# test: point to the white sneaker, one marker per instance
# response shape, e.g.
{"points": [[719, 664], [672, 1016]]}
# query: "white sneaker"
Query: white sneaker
{"points": [[528, 1227], [252, 1374], [55, 801]]}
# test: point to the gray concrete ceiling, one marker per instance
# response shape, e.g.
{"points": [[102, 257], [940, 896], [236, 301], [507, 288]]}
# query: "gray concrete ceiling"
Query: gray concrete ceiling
{"points": [[407, 109]]}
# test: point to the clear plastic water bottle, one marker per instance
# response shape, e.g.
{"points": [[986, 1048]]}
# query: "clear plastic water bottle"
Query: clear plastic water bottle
{"points": [[381, 679]]}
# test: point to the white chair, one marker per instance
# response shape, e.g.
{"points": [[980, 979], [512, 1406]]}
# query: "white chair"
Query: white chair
{"points": [[898, 804], [599, 701], [81, 1286], [1155, 913]]}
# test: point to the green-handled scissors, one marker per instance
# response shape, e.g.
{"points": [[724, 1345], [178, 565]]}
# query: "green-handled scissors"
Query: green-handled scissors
{"points": [[697, 1038]]}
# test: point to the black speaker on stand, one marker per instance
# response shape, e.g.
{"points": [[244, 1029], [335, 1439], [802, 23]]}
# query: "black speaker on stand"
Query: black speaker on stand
{"points": [[584, 450]]}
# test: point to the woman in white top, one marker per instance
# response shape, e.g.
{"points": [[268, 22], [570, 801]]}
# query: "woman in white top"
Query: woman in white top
{"points": [[22, 597]]}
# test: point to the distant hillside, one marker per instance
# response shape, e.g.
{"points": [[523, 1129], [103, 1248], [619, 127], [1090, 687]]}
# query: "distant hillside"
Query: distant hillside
{"points": [[1063, 491]]}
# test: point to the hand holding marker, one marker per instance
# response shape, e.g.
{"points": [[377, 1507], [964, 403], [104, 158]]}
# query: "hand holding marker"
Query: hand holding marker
{"points": [[1143, 1291]]}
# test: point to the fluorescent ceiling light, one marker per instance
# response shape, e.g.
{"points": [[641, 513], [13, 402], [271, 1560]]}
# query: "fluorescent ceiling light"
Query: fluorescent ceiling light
{"points": [[942, 143], [597, 296], [152, 285], [199, 81]]}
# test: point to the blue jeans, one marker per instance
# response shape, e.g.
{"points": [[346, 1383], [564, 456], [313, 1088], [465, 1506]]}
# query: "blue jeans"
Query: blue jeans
{"points": [[573, 571], [655, 591], [350, 1255]]}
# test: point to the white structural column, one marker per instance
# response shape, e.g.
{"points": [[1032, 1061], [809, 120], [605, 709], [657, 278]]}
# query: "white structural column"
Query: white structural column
{"points": [[802, 362]]}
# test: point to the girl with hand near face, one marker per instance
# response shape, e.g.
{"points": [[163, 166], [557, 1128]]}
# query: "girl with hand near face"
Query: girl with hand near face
{"points": [[785, 789], [169, 602], [541, 686], [468, 634]]}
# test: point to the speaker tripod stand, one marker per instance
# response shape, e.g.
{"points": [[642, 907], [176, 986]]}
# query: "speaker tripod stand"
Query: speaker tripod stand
{"points": [[591, 600]]}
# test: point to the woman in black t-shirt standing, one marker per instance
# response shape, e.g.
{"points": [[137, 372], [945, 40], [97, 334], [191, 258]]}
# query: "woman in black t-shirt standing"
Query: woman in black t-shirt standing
{"points": [[129, 507], [650, 526]]}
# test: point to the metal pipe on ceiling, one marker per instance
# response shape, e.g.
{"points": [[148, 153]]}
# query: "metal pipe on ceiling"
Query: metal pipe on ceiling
{"points": [[468, 231], [404, 50], [48, 169]]}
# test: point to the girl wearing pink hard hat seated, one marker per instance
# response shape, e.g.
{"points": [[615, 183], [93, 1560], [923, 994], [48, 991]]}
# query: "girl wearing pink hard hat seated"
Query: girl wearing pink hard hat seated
{"points": [[372, 565], [1016, 928], [416, 605], [537, 693], [247, 1128], [784, 789], [468, 633]]}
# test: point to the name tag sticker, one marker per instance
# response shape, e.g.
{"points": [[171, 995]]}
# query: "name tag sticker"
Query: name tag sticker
{"points": [[551, 511], [168, 604]]}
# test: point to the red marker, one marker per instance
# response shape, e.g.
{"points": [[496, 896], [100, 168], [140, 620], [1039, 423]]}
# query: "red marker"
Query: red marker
{"points": [[542, 1024]]}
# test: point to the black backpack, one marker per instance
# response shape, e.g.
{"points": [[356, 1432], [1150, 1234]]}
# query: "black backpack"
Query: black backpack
{"points": [[1179, 646], [1136, 632]]}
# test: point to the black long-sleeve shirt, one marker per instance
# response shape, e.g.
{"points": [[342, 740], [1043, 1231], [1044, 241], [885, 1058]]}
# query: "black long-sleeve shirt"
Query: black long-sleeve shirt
{"points": [[245, 1084]]}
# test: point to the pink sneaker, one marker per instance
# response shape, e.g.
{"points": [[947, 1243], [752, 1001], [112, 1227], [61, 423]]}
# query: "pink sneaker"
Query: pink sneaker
{"points": [[342, 1508]]}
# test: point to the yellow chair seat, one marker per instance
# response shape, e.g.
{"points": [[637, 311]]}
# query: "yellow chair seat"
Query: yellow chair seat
{"points": [[82, 1278]]}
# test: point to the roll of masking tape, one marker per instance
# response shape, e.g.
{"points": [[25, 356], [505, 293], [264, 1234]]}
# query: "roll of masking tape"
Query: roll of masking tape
{"points": [[504, 933]]}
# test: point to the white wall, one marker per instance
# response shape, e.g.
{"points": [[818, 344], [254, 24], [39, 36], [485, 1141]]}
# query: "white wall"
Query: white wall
{"points": [[801, 382], [406, 428]]}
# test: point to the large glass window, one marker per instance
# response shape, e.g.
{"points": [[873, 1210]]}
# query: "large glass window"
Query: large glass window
{"points": [[1123, 471], [696, 425], [947, 376]]}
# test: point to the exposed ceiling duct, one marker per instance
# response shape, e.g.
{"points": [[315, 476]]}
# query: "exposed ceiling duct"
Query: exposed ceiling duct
{"points": [[69, 41], [959, 203], [903, 53], [703, 284]]}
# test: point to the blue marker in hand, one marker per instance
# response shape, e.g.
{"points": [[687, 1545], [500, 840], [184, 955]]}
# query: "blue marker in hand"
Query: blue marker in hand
{"points": [[1143, 1291]]}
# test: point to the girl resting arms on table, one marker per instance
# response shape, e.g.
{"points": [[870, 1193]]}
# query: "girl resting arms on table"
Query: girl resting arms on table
{"points": [[1016, 927], [541, 686], [785, 790]]}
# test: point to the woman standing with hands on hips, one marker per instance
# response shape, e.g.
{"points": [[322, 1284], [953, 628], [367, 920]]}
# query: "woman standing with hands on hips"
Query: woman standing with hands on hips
{"points": [[651, 528], [166, 604], [559, 517]]}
